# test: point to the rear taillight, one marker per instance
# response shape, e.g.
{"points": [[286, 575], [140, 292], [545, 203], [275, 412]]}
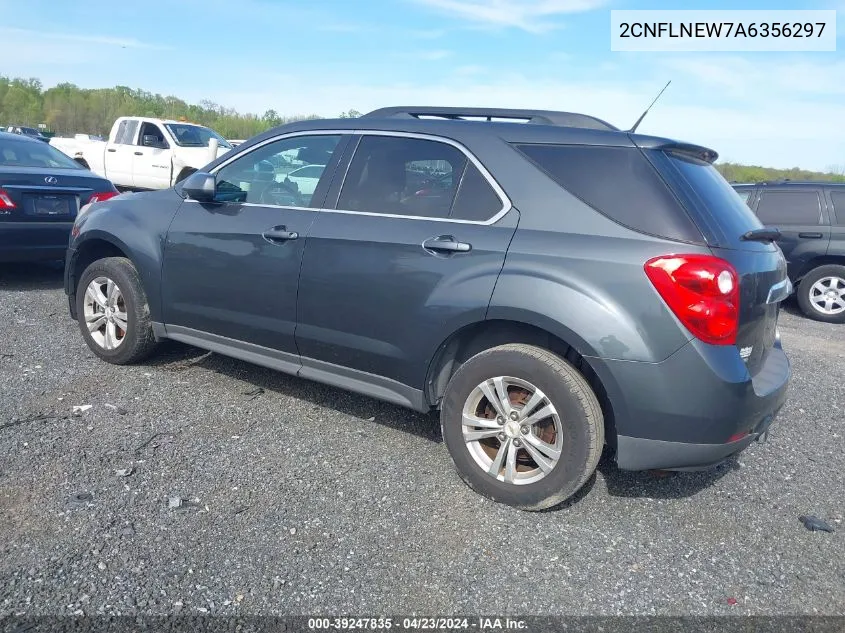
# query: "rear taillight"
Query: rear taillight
{"points": [[102, 196], [702, 291], [6, 203]]}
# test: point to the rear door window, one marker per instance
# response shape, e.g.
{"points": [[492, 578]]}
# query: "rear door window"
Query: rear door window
{"points": [[476, 199], [789, 207], [402, 176], [838, 199]]}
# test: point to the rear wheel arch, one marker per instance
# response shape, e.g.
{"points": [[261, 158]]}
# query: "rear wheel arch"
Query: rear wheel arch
{"points": [[822, 260], [480, 336]]}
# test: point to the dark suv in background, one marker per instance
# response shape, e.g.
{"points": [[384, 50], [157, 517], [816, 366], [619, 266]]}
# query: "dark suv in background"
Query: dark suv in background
{"points": [[811, 219], [548, 282]]}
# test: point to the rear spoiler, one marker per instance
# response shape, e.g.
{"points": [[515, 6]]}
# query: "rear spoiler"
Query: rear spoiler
{"points": [[685, 149]]}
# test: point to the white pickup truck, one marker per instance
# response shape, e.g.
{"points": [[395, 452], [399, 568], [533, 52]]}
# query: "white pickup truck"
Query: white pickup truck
{"points": [[144, 153]]}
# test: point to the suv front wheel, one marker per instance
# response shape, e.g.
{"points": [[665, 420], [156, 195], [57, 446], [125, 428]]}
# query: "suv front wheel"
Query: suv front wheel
{"points": [[112, 311], [523, 427], [821, 294]]}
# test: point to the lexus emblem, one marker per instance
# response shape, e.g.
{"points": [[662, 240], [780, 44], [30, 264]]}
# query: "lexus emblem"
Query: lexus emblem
{"points": [[51, 180]]}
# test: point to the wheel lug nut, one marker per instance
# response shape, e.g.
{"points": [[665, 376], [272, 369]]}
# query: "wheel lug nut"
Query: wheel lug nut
{"points": [[517, 443], [501, 437], [525, 430], [514, 415], [500, 420]]}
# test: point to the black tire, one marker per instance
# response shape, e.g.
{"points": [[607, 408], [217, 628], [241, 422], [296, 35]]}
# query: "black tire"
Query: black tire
{"points": [[138, 342], [579, 412], [805, 289]]}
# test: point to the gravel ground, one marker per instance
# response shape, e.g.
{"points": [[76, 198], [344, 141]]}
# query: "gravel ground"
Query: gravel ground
{"points": [[303, 499]]}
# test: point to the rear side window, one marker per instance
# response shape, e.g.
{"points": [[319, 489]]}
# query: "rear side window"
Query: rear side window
{"points": [[838, 207], [789, 207], [126, 132], [620, 183]]}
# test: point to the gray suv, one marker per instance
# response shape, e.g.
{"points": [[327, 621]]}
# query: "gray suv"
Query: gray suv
{"points": [[549, 283]]}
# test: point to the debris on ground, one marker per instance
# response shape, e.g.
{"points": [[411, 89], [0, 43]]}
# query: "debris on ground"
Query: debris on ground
{"points": [[81, 498], [732, 601], [124, 472], [254, 393], [240, 509], [116, 409], [815, 524], [149, 441], [80, 409], [33, 418], [175, 502]]}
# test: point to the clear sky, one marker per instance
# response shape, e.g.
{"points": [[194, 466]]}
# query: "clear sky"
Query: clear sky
{"points": [[326, 57]]}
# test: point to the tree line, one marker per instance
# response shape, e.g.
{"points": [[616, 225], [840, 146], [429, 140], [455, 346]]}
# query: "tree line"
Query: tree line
{"points": [[67, 109], [734, 172]]}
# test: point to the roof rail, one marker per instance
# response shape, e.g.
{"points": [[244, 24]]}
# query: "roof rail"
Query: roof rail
{"points": [[542, 117]]}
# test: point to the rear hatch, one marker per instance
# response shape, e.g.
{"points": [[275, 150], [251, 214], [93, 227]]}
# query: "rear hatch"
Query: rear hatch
{"points": [[729, 226]]}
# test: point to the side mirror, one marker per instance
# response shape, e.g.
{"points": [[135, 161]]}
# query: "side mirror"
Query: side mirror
{"points": [[200, 186], [150, 140]]}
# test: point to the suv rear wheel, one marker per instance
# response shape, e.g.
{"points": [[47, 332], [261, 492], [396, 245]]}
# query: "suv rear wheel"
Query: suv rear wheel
{"points": [[821, 294], [523, 427], [113, 313]]}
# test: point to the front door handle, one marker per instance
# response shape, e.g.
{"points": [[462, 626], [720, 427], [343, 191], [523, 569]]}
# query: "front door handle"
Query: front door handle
{"points": [[111, 149], [279, 234], [446, 244], [139, 153], [811, 236]]}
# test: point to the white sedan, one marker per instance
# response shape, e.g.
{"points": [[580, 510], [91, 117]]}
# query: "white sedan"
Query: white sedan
{"points": [[306, 178]]}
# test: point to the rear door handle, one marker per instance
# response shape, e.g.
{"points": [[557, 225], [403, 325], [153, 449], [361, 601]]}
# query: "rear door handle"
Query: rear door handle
{"points": [[111, 149], [139, 153], [279, 234], [811, 236], [446, 244]]}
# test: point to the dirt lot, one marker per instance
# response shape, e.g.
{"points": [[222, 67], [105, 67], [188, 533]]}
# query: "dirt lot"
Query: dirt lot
{"points": [[303, 499]]}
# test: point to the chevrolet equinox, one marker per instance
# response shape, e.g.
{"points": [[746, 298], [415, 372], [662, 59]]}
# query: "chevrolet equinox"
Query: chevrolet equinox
{"points": [[549, 283]]}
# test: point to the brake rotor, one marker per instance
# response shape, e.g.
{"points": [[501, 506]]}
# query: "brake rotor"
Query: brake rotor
{"points": [[544, 430]]}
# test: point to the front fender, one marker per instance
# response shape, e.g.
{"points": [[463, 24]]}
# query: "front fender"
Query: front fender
{"points": [[136, 224]]}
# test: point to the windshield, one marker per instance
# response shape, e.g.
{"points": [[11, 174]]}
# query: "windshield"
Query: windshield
{"points": [[188, 135], [26, 153]]}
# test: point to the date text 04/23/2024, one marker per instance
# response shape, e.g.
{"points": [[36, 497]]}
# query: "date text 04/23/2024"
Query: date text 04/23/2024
{"points": [[418, 623]]}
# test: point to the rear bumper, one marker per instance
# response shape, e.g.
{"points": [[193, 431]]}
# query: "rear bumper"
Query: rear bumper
{"points": [[636, 453], [33, 241], [694, 409]]}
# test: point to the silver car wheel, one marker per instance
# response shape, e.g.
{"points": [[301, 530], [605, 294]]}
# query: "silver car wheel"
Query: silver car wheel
{"points": [[512, 430], [827, 295], [105, 313]]}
